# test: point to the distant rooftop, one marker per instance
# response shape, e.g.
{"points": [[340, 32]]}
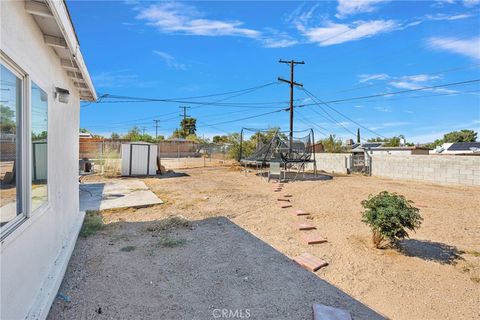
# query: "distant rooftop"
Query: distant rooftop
{"points": [[464, 146]]}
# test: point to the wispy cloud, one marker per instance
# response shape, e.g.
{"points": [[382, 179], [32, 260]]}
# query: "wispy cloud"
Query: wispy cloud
{"points": [[169, 60], [412, 82], [351, 7], [370, 77], [186, 19], [334, 33], [471, 3], [467, 47], [181, 18], [114, 79], [278, 40]]}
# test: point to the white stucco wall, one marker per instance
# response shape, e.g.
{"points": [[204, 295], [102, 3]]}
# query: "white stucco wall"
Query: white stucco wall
{"points": [[34, 256]]}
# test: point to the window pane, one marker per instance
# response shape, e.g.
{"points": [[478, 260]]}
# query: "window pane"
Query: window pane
{"points": [[39, 146], [10, 145]]}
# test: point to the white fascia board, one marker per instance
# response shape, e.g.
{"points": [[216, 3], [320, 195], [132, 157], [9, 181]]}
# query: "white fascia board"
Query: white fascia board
{"points": [[62, 18]]}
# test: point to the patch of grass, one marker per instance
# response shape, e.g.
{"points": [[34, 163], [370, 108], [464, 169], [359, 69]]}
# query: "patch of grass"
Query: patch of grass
{"points": [[171, 243], [128, 248], [92, 224], [169, 223], [119, 237]]}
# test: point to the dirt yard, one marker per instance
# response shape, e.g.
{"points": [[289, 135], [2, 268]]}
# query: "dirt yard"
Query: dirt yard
{"points": [[435, 276]]}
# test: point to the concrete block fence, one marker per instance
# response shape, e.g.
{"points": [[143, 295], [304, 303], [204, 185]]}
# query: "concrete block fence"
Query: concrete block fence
{"points": [[447, 170], [459, 170]]}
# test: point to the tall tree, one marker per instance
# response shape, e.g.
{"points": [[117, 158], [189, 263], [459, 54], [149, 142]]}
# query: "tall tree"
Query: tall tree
{"points": [[460, 136], [358, 135], [464, 135], [188, 126], [332, 144]]}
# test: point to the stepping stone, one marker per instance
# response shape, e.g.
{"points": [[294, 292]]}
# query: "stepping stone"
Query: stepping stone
{"points": [[313, 238], [284, 206], [304, 226], [301, 213], [277, 190], [310, 262], [287, 195], [282, 199]]}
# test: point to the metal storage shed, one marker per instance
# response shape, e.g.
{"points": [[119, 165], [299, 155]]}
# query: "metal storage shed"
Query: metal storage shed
{"points": [[139, 159]]}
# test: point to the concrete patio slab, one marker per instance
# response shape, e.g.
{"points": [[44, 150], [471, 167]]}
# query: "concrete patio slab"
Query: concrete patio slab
{"points": [[117, 193]]}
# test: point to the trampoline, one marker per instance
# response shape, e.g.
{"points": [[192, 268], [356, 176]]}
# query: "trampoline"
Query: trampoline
{"points": [[293, 154]]}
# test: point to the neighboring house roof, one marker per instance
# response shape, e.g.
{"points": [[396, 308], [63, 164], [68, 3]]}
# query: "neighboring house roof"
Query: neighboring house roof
{"points": [[402, 148], [85, 135], [53, 19], [457, 148], [368, 145], [464, 146]]}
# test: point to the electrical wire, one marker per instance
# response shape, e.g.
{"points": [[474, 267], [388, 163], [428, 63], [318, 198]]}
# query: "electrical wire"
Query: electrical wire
{"points": [[340, 113]]}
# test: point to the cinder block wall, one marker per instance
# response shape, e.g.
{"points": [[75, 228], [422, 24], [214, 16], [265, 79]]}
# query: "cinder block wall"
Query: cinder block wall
{"points": [[460, 170], [331, 162]]}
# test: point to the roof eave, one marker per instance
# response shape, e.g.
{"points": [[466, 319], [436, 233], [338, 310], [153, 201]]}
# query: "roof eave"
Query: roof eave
{"points": [[64, 22]]}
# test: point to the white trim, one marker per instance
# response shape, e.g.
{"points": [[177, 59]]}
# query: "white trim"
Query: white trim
{"points": [[62, 18], [50, 286]]}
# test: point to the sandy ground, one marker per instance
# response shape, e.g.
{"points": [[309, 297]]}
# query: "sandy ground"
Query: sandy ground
{"points": [[436, 276]]}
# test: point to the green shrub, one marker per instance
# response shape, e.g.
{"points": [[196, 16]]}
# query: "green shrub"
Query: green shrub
{"points": [[389, 215]]}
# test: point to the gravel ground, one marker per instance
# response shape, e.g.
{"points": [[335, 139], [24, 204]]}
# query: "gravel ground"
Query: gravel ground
{"points": [[199, 271], [436, 275]]}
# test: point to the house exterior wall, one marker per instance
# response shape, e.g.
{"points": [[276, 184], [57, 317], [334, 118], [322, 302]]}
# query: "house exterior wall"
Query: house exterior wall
{"points": [[34, 256], [461, 170]]}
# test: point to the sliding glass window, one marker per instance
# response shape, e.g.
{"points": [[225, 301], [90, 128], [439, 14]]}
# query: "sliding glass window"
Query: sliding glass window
{"points": [[11, 204], [39, 121]]}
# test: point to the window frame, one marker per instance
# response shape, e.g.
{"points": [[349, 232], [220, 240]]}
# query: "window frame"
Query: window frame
{"points": [[46, 203], [14, 68]]}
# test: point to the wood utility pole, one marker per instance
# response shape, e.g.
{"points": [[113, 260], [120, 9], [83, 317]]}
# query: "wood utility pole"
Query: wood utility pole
{"points": [[156, 128], [184, 119], [292, 84]]}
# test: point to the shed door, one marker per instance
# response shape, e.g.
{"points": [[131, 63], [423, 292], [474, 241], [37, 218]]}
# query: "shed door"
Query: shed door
{"points": [[140, 159]]}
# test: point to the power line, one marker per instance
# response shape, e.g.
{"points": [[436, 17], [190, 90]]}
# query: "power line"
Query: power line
{"points": [[399, 92], [423, 73], [246, 118], [191, 97], [343, 115]]}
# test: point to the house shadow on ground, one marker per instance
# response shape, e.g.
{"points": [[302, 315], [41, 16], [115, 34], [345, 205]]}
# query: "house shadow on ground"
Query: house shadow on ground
{"points": [[160, 270], [429, 250]]}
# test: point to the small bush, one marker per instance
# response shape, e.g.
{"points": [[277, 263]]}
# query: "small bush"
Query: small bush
{"points": [[389, 215], [93, 222]]}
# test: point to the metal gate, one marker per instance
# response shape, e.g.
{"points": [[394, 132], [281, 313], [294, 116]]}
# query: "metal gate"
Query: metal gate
{"points": [[361, 163]]}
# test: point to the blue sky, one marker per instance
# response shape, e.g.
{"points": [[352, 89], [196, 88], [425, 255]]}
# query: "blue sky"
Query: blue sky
{"points": [[350, 48]]}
